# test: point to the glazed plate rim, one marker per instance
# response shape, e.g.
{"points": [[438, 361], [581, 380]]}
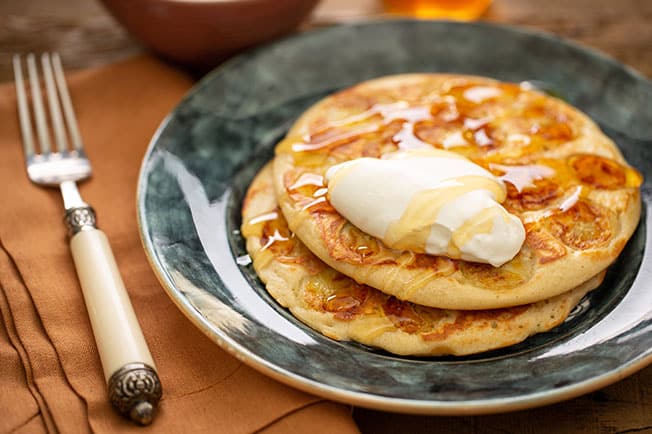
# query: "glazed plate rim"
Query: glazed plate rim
{"points": [[369, 400]]}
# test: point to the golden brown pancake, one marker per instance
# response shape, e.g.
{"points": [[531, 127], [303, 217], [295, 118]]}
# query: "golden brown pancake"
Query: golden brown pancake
{"points": [[342, 309], [568, 183]]}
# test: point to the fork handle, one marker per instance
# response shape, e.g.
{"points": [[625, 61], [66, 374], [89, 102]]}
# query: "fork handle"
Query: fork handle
{"points": [[134, 386]]}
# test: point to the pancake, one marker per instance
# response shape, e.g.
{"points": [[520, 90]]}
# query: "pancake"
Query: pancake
{"points": [[342, 309], [576, 195]]}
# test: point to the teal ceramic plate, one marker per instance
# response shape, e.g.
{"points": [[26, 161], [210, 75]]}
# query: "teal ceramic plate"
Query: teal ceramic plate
{"points": [[203, 157]]}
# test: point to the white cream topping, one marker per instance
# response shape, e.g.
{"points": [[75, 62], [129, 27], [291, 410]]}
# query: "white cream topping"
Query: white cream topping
{"points": [[428, 201]]}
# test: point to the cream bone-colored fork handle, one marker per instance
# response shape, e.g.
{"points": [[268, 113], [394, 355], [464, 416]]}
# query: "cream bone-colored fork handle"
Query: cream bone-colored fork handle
{"points": [[134, 386]]}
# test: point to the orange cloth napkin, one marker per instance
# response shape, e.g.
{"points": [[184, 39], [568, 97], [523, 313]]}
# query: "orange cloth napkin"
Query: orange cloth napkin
{"points": [[50, 374]]}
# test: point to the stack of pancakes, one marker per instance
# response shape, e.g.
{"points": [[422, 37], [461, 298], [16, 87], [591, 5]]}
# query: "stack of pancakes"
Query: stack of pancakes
{"points": [[577, 197]]}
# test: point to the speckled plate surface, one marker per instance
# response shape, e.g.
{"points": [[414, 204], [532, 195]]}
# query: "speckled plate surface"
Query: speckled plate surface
{"points": [[203, 157]]}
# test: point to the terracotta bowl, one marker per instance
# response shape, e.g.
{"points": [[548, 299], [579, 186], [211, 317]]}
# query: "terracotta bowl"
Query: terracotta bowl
{"points": [[200, 33]]}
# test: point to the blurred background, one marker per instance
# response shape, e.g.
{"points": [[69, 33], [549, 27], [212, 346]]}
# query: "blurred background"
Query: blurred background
{"points": [[198, 34]]}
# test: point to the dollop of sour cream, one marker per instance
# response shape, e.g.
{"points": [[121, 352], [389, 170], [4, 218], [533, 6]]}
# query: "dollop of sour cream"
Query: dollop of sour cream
{"points": [[428, 201]]}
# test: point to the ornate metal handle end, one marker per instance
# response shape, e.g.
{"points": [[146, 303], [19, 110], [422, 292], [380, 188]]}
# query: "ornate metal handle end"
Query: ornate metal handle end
{"points": [[134, 391]]}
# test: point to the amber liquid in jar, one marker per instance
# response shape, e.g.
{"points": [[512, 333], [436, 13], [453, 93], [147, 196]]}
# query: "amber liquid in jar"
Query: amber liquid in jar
{"points": [[446, 9]]}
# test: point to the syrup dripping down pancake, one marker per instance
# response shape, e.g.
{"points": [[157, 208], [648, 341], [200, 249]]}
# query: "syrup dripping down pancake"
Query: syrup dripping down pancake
{"points": [[568, 183], [342, 309]]}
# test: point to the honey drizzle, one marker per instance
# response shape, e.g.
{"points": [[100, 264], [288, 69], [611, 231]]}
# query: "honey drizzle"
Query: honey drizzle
{"points": [[445, 107], [571, 200], [454, 140], [254, 226], [479, 94], [414, 226], [272, 230], [407, 139], [542, 126], [481, 223], [264, 218], [312, 203], [274, 238], [522, 177], [400, 110], [307, 179]]}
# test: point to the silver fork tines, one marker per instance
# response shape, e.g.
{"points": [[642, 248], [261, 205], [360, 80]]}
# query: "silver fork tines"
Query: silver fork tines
{"points": [[49, 167]]}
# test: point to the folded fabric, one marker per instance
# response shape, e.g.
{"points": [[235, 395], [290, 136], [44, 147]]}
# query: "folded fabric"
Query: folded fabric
{"points": [[50, 373]]}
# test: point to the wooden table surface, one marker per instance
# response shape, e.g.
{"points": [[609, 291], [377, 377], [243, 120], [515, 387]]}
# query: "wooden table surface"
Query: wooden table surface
{"points": [[86, 35]]}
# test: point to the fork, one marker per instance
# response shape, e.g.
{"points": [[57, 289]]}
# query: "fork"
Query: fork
{"points": [[134, 387]]}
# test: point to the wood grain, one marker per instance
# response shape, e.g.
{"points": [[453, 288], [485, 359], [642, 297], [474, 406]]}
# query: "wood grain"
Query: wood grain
{"points": [[81, 31], [622, 29], [86, 35], [624, 407]]}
